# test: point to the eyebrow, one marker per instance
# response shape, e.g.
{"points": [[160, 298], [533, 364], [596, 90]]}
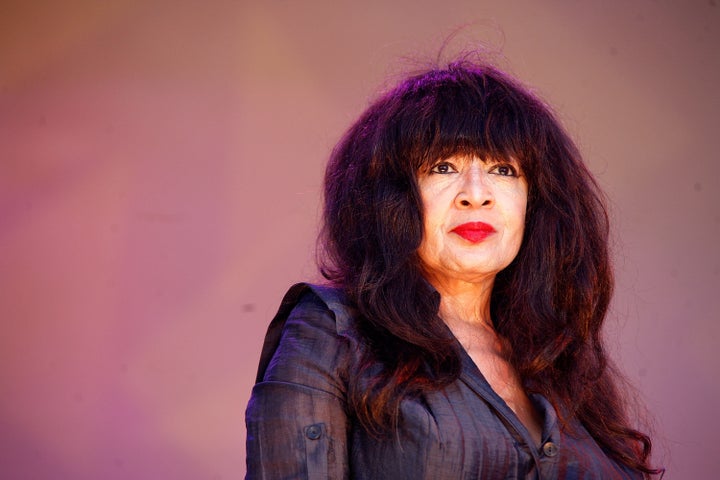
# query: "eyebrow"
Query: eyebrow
{"points": [[461, 159]]}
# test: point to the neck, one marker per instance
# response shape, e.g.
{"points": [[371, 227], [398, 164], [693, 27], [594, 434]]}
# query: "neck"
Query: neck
{"points": [[464, 302]]}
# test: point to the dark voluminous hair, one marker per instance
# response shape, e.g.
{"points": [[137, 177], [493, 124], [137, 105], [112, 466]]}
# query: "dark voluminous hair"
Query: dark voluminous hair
{"points": [[549, 304]]}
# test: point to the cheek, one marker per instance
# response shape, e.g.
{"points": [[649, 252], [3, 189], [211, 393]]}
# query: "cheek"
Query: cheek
{"points": [[520, 206], [520, 225], [432, 241], [515, 216], [432, 216], [521, 212], [431, 238]]}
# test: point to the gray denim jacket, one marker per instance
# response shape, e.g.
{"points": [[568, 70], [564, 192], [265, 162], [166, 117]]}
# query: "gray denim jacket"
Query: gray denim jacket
{"points": [[299, 426]]}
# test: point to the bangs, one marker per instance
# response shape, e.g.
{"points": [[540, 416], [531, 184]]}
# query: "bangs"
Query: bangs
{"points": [[469, 113]]}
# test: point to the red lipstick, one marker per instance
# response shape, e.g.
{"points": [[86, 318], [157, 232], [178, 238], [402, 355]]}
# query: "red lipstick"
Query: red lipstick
{"points": [[474, 232]]}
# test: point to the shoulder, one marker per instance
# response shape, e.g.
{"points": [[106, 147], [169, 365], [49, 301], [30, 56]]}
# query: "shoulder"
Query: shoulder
{"points": [[296, 417], [321, 299], [320, 305], [310, 334]]}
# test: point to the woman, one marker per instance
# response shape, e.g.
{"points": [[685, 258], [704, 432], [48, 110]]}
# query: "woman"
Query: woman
{"points": [[465, 245]]}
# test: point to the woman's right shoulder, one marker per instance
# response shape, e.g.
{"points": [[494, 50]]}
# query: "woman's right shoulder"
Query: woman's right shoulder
{"points": [[312, 329], [317, 304]]}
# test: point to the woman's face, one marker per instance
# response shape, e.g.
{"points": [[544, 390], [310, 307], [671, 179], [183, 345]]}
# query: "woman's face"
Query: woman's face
{"points": [[474, 218]]}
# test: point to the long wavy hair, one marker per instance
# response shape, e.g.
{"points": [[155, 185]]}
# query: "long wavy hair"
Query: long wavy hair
{"points": [[548, 305]]}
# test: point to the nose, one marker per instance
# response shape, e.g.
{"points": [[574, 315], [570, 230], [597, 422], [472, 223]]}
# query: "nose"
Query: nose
{"points": [[475, 189]]}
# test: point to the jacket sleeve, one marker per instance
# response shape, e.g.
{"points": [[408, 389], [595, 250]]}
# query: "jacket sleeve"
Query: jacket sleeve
{"points": [[296, 419]]}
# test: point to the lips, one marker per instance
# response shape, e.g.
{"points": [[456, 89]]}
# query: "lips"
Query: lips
{"points": [[474, 232]]}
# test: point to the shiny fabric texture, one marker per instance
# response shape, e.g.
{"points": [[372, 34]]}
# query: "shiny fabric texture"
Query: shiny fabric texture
{"points": [[299, 426]]}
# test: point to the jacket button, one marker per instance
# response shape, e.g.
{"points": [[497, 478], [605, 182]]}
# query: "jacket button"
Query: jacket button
{"points": [[313, 432], [550, 449]]}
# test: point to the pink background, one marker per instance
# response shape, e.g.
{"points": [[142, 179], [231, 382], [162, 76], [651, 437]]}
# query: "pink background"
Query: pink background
{"points": [[160, 163]]}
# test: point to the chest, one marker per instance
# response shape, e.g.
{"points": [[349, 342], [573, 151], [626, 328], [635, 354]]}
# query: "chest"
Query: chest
{"points": [[461, 433], [504, 381]]}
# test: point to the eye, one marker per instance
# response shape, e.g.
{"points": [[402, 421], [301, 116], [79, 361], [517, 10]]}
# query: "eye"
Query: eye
{"points": [[504, 170], [443, 168]]}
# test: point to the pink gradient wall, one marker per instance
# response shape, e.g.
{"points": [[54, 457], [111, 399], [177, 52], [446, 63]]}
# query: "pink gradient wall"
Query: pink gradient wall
{"points": [[160, 165]]}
